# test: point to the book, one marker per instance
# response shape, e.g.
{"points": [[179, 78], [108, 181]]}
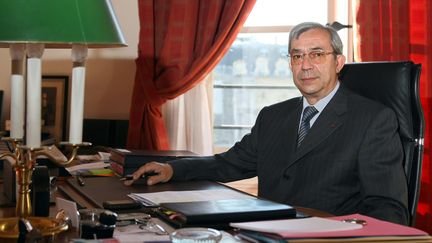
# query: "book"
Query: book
{"points": [[120, 170], [219, 213], [137, 158]]}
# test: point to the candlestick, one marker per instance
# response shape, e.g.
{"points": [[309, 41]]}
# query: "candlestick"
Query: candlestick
{"points": [[61, 25]]}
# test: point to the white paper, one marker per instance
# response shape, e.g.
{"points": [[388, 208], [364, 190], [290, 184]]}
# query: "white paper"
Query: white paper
{"points": [[304, 225], [133, 234], [124, 150], [104, 156], [100, 156], [70, 208], [87, 166], [156, 198]]}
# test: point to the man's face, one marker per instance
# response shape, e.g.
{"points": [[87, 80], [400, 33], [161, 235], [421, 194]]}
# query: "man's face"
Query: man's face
{"points": [[315, 78]]}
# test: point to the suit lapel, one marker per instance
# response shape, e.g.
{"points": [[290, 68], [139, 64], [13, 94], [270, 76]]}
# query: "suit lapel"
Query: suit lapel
{"points": [[291, 125], [329, 120]]}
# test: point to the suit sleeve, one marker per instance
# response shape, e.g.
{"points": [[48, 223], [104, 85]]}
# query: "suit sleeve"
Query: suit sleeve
{"points": [[384, 184], [239, 162]]}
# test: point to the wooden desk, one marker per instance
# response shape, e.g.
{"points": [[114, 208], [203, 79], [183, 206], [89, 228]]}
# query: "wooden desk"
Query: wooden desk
{"points": [[68, 191]]}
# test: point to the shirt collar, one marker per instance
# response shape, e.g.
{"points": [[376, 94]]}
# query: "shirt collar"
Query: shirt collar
{"points": [[322, 103]]}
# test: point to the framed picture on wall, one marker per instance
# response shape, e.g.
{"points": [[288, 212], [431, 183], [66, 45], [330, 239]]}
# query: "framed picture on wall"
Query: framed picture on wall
{"points": [[54, 107]]}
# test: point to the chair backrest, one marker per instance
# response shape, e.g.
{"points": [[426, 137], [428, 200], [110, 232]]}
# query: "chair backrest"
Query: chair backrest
{"points": [[395, 84]]}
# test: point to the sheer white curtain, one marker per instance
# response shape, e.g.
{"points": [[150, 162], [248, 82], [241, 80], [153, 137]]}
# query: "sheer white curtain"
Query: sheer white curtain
{"points": [[188, 121]]}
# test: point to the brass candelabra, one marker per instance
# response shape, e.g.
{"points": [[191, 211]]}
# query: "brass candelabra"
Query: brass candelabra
{"points": [[25, 162]]}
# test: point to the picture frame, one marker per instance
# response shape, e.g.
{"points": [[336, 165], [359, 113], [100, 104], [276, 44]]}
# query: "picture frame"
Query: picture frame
{"points": [[54, 102]]}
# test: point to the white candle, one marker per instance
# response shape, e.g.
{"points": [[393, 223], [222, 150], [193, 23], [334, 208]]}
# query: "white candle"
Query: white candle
{"points": [[33, 121], [34, 93], [17, 106], [17, 53], [79, 55], [77, 105]]}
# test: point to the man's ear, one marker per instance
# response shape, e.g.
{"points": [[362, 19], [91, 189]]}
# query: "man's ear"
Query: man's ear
{"points": [[340, 62]]}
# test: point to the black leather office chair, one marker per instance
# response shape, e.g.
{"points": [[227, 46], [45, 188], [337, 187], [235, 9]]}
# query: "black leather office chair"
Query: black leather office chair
{"points": [[395, 84]]}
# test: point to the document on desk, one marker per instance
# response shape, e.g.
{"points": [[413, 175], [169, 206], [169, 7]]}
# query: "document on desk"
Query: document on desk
{"points": [[331, 229], [304, 225], [99, 168], [156, 198]]}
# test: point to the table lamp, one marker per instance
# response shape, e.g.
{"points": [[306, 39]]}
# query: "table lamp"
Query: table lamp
{"points": [[27, 28]]}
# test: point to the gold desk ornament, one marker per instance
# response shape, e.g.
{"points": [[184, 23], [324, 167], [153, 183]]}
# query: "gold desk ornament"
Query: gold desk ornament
{"points": [[25, 161], [48, 227]]}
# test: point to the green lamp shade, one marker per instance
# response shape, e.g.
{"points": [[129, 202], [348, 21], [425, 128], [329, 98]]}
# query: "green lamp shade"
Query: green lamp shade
{"points": [[59, 23]]}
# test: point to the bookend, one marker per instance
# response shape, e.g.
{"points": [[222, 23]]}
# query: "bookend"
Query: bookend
{"points": [[40, 192]]}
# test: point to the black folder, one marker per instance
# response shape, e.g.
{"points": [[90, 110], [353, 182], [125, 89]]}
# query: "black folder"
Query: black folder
{"points": [[219, 213], [215, 214]]}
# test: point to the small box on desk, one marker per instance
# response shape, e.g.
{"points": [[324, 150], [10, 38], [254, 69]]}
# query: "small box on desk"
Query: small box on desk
{"points": [[125, 162], [120, 170]]}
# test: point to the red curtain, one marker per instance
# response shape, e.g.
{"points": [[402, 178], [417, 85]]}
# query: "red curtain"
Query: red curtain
{"points": [[179, 43], [402, 30]]}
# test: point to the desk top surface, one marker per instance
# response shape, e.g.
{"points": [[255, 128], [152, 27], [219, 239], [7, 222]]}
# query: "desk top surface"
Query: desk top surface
{"points": [[100, 189]]}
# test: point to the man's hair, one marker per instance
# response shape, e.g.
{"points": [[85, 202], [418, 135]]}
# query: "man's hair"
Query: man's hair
{"points": [[299, 29]]}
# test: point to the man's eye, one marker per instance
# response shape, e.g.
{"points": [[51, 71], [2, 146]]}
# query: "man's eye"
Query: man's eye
{"points": [[296, 56], [316, 54]]}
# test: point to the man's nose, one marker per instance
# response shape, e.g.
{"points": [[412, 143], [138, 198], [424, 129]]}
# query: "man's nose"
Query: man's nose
{"points": [[306, 62]]}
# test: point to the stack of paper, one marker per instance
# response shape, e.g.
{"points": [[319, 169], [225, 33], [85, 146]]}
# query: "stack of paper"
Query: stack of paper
{"points": [[156, 198], [90, 169], [289, 227], [329, 229]]}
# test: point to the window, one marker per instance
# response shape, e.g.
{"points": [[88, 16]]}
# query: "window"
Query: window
{"points": [[255, 71]]}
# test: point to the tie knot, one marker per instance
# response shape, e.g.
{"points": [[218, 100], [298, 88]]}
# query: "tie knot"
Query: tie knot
{"points": [[308, 113]]}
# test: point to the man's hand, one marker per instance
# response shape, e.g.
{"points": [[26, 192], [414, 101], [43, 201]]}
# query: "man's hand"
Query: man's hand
{"points": [[163, 173]]}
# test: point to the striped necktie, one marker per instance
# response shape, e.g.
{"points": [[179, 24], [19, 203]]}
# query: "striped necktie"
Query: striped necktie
{"points": [[308, 113]]}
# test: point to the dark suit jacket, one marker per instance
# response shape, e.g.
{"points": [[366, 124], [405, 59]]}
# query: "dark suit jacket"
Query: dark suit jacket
{"points": [[349, 162]]}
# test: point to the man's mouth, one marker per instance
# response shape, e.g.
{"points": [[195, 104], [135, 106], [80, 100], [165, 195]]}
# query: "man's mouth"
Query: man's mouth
{"points": [[306, 79]]}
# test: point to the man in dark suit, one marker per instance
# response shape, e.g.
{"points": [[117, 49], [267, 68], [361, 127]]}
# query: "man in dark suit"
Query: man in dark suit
{"points": [[330, 149]]}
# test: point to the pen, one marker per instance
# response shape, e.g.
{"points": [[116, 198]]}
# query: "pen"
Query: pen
{"points": [[80, 180], [161, 229], [144, 176]]}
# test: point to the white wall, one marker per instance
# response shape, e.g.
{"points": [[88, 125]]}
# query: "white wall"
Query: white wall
{"points": [[109, 72]]}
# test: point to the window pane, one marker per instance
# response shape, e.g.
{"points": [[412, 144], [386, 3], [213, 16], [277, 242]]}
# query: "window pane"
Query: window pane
{"points": [[254, 73], [287, 12], [257, 58], [235, 110]]}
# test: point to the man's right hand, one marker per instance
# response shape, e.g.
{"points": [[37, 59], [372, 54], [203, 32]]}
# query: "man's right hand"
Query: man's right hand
{"points": [[164, 173]]}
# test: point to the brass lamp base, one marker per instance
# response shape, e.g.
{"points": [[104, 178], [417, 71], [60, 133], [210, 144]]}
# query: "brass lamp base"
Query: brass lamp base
{"points": [[46, 226]]}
